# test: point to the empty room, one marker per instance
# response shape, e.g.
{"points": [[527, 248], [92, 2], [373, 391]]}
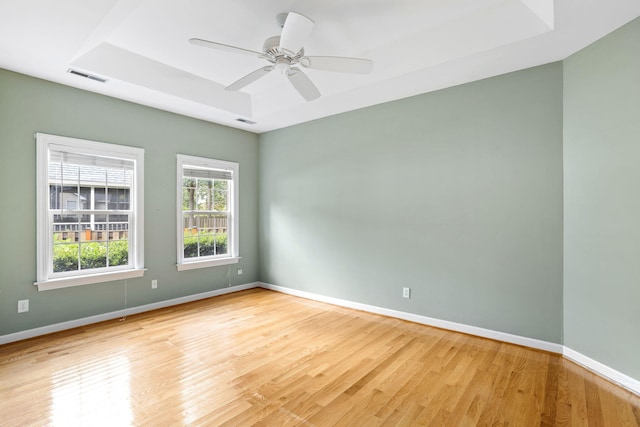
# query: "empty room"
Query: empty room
{"points": [[348, 213]]}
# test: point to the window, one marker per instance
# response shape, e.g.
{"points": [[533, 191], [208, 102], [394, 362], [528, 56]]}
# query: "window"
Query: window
{"points": [[207, 212], [90, 212]]}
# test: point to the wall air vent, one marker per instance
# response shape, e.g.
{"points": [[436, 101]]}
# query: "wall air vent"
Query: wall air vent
{"points": [[85, 75], [247, 121]]}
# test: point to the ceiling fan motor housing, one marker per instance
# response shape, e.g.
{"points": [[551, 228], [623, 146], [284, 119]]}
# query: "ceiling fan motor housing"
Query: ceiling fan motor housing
{"points": [[275, 54]]}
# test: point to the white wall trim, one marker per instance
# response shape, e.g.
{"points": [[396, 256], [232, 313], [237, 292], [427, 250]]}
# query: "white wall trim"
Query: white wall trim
{"points": [[46, 144], [233, 242], [30, 333], [603, 370], [430, 321]]}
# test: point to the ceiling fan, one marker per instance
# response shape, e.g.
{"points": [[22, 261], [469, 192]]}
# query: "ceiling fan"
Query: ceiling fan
{"points": [[286, 54]]}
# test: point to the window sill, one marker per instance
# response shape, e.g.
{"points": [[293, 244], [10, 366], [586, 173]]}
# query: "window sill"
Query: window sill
{"points": [[209, 263], [67, 282]]}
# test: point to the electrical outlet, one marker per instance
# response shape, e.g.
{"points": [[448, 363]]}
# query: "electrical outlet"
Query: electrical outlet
{"points": [[23, 305], [406, 292], [154, 284], [239, 272]]}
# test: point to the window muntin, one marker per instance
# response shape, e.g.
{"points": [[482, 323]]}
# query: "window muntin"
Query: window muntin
{"points": [[91, 222], [207, 212]]}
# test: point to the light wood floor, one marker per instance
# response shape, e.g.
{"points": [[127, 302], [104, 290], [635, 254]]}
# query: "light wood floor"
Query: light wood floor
{"points": [[263, 358]]}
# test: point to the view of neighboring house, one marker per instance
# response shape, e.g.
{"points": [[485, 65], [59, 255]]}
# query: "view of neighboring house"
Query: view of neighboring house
{"points": [[91, 203]]}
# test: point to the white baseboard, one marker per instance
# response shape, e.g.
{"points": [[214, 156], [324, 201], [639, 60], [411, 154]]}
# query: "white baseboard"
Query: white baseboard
{"points": [[603, 370], [30, 333], [430, 321]]}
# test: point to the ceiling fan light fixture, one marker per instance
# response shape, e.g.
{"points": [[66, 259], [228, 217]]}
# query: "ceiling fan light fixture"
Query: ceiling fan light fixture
{"points": [[283, 65]]}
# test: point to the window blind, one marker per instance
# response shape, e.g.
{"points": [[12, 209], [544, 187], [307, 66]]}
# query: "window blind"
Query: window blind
{"points": [[193, 172], [56, 156]]}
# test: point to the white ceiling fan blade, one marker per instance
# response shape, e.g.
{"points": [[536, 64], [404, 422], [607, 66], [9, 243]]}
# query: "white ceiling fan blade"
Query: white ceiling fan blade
{"points": [[249, 78], [295, 32], [303, 84], [223, 47], [338, 64]]}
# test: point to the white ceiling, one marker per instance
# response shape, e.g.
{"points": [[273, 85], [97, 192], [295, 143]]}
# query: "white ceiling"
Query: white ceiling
{"points": [[141, 47]]}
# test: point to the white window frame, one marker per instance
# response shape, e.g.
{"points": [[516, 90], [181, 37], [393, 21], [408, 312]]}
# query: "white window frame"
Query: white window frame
{"points": [[233, 244], [46, 279]]}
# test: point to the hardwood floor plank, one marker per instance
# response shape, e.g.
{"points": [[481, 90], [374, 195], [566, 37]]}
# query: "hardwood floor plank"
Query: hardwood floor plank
{"points": [[263, 358]]}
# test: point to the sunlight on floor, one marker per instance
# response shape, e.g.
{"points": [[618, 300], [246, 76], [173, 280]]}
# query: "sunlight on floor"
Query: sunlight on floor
{"points": [[96, 393]]}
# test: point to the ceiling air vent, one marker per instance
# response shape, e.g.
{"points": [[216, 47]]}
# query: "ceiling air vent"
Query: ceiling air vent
{"points": [[86, 76], [247, 121]]}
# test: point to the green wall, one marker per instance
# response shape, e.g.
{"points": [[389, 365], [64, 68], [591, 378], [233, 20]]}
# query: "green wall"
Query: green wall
{"points": [[456, 194], [602, 200], [29, 105]]}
